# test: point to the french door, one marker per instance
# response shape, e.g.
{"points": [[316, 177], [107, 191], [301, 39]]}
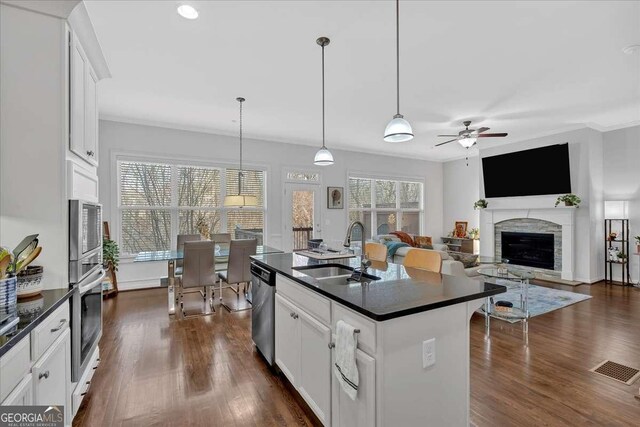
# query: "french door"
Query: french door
{"points": [[302, 215]]}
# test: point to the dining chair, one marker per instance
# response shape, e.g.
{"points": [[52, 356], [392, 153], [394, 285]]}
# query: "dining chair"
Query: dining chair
{"points": [[375, 251], [239, 267], [423, 259], [198, 271], [182, 238]]}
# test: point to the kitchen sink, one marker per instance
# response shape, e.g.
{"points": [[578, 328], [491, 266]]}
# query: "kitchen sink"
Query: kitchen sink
{"points": [[324, 272]]}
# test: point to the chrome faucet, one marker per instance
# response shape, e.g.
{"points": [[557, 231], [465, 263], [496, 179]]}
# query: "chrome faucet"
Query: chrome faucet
{"points": [[364, 261]]}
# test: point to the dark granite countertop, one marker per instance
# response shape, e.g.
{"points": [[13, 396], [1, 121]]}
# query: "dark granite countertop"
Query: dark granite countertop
{"points": [[32, 311], [399, 292]]}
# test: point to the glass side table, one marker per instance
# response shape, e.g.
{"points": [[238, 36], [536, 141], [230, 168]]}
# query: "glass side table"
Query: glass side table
{"points": [[517, 312]]}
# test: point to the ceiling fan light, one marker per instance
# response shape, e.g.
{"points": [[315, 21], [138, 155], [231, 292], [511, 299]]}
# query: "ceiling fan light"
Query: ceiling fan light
{"points": [[323, 157], [467, 142], [398, 130], [240, 201]]}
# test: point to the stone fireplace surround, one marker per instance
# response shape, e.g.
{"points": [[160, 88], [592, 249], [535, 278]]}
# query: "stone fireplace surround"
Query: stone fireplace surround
{"points": [[560, 221]]}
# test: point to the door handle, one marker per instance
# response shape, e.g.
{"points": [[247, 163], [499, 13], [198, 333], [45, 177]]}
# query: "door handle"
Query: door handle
{"points": [[62, 322], [44, 375], [90, 153]]}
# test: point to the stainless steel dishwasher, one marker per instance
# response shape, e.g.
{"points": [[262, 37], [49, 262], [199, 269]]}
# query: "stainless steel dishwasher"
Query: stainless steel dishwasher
{"points": [[263, 284]]}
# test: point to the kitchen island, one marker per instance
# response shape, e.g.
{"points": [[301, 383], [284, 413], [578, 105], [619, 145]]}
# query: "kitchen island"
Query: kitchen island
{"points": [[413, 340]]}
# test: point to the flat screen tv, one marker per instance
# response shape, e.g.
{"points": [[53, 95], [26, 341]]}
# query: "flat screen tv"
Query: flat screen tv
{"points": [[534, 172]]}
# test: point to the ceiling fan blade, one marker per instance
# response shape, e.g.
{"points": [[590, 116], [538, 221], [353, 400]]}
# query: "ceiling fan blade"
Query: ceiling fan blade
{"points": [[480, 130], [446, 142], [492, 135], [449, 135]]}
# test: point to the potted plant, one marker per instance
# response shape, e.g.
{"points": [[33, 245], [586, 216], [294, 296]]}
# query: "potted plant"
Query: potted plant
{"points": [[110, 254], [474, 233], [612, 236], [569, 200], [480, 204], [622, 257]]}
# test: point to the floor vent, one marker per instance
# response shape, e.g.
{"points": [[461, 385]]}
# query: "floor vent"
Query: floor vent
{"points": [[616, 371]]}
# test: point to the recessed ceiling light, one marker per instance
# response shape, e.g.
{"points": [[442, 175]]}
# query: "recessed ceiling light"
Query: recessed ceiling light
{"points": [[187, 11], [634, 48]]}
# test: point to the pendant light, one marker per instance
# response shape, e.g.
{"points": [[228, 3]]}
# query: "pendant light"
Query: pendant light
{"points": [[239, 200], [323, 156], [398, 129]]}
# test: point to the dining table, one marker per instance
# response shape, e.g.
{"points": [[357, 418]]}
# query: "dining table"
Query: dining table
{"points": [[221, 255]]}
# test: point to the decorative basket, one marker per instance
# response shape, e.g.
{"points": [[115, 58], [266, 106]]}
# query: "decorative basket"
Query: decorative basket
{"points": [[8, 297], [29, 281]]}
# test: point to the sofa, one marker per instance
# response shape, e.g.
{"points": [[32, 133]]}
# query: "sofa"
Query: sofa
{"points": [[449, 265]]}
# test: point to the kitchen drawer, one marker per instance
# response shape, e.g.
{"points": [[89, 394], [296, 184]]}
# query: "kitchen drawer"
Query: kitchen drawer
{"points": [[314, 304], [46, 332], [367, 335], [14, 365]]}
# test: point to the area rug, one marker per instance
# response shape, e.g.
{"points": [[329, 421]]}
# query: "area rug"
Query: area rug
{"points": [[541, 299]]}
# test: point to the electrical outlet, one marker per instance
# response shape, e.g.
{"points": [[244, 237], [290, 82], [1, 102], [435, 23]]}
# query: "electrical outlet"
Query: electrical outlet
{"points": [[428, 353]]}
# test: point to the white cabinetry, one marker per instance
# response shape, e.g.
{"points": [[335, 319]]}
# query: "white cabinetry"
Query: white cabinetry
{"points": [[302, 345], [362, 411], [83, 132], [315, 360], [37, 370], [22, 395], [52, 374], [287, 340]]}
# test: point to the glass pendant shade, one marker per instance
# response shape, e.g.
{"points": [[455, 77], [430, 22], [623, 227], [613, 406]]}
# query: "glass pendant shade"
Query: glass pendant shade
{"points": [[398, 130], [240, 201], [467, 142], [323, 157]]}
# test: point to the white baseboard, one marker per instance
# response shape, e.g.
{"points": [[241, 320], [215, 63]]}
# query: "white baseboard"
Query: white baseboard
{"points": [[131, 285]]}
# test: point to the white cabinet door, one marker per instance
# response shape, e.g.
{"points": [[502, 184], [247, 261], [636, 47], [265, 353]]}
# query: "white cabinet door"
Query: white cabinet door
{"points": [[287, 339], [315, 366], [78, 63], [90, 116], [362, 411], [22, 395], [52, 374]]}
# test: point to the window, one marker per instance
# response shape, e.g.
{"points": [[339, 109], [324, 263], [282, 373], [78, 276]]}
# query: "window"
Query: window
{"points": [[157, 202], [384, 205]]}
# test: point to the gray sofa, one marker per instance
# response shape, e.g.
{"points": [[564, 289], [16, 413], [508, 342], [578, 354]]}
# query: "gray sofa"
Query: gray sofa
{"points": [[449, 265]]}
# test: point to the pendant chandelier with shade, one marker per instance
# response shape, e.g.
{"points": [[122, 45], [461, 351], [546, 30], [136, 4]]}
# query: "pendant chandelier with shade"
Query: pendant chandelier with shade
{"points": [[323, 156], [398, 129], [240, 200]]}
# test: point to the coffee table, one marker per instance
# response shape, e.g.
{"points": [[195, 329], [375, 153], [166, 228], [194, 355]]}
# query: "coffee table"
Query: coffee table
{"points": [[521, 312]]}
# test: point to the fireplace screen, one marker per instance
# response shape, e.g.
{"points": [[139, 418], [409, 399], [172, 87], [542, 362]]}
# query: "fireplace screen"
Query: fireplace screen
{"points": [[528, 249]]}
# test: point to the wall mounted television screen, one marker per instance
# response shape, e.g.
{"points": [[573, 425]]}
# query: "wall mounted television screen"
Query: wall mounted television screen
{"points": [[534, 172]]}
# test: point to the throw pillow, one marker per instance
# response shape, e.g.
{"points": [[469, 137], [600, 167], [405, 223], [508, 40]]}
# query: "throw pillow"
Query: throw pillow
{"points": [[423, 242], [468, 260]]}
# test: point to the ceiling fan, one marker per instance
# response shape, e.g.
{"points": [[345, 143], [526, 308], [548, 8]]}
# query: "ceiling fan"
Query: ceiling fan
{"points": [[468, 137]]}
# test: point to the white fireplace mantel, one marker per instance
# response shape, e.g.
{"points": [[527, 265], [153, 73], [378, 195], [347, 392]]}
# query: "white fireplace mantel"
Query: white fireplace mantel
{"points": [[564, 216]]}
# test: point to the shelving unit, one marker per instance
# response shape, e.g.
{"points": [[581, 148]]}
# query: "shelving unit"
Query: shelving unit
{"points": [[458, 244], [621, 243]]}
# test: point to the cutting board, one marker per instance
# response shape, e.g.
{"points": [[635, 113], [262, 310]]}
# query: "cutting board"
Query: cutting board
{"points": [[324, 256]]}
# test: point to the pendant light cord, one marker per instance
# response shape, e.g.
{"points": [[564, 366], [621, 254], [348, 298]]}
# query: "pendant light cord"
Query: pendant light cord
{"points": [[240, 171], [398, 56], [323, 97]]}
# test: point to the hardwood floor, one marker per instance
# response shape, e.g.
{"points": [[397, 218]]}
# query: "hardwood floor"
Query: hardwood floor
{"points": [[204, 372]]}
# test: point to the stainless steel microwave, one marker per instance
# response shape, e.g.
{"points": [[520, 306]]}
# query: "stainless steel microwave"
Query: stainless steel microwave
{"points": [[85, 239]]}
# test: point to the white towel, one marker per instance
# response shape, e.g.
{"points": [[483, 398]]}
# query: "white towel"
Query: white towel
{"points": [[345, 368]]}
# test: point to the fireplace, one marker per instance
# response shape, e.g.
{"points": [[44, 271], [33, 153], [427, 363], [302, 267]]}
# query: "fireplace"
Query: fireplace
{"points": [[529, 249]]}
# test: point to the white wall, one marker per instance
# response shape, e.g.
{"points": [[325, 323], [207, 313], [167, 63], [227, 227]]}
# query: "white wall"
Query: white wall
{"points": [[32, 154], [461, 191], [622, 178], [585, 151], [130, 139]]}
